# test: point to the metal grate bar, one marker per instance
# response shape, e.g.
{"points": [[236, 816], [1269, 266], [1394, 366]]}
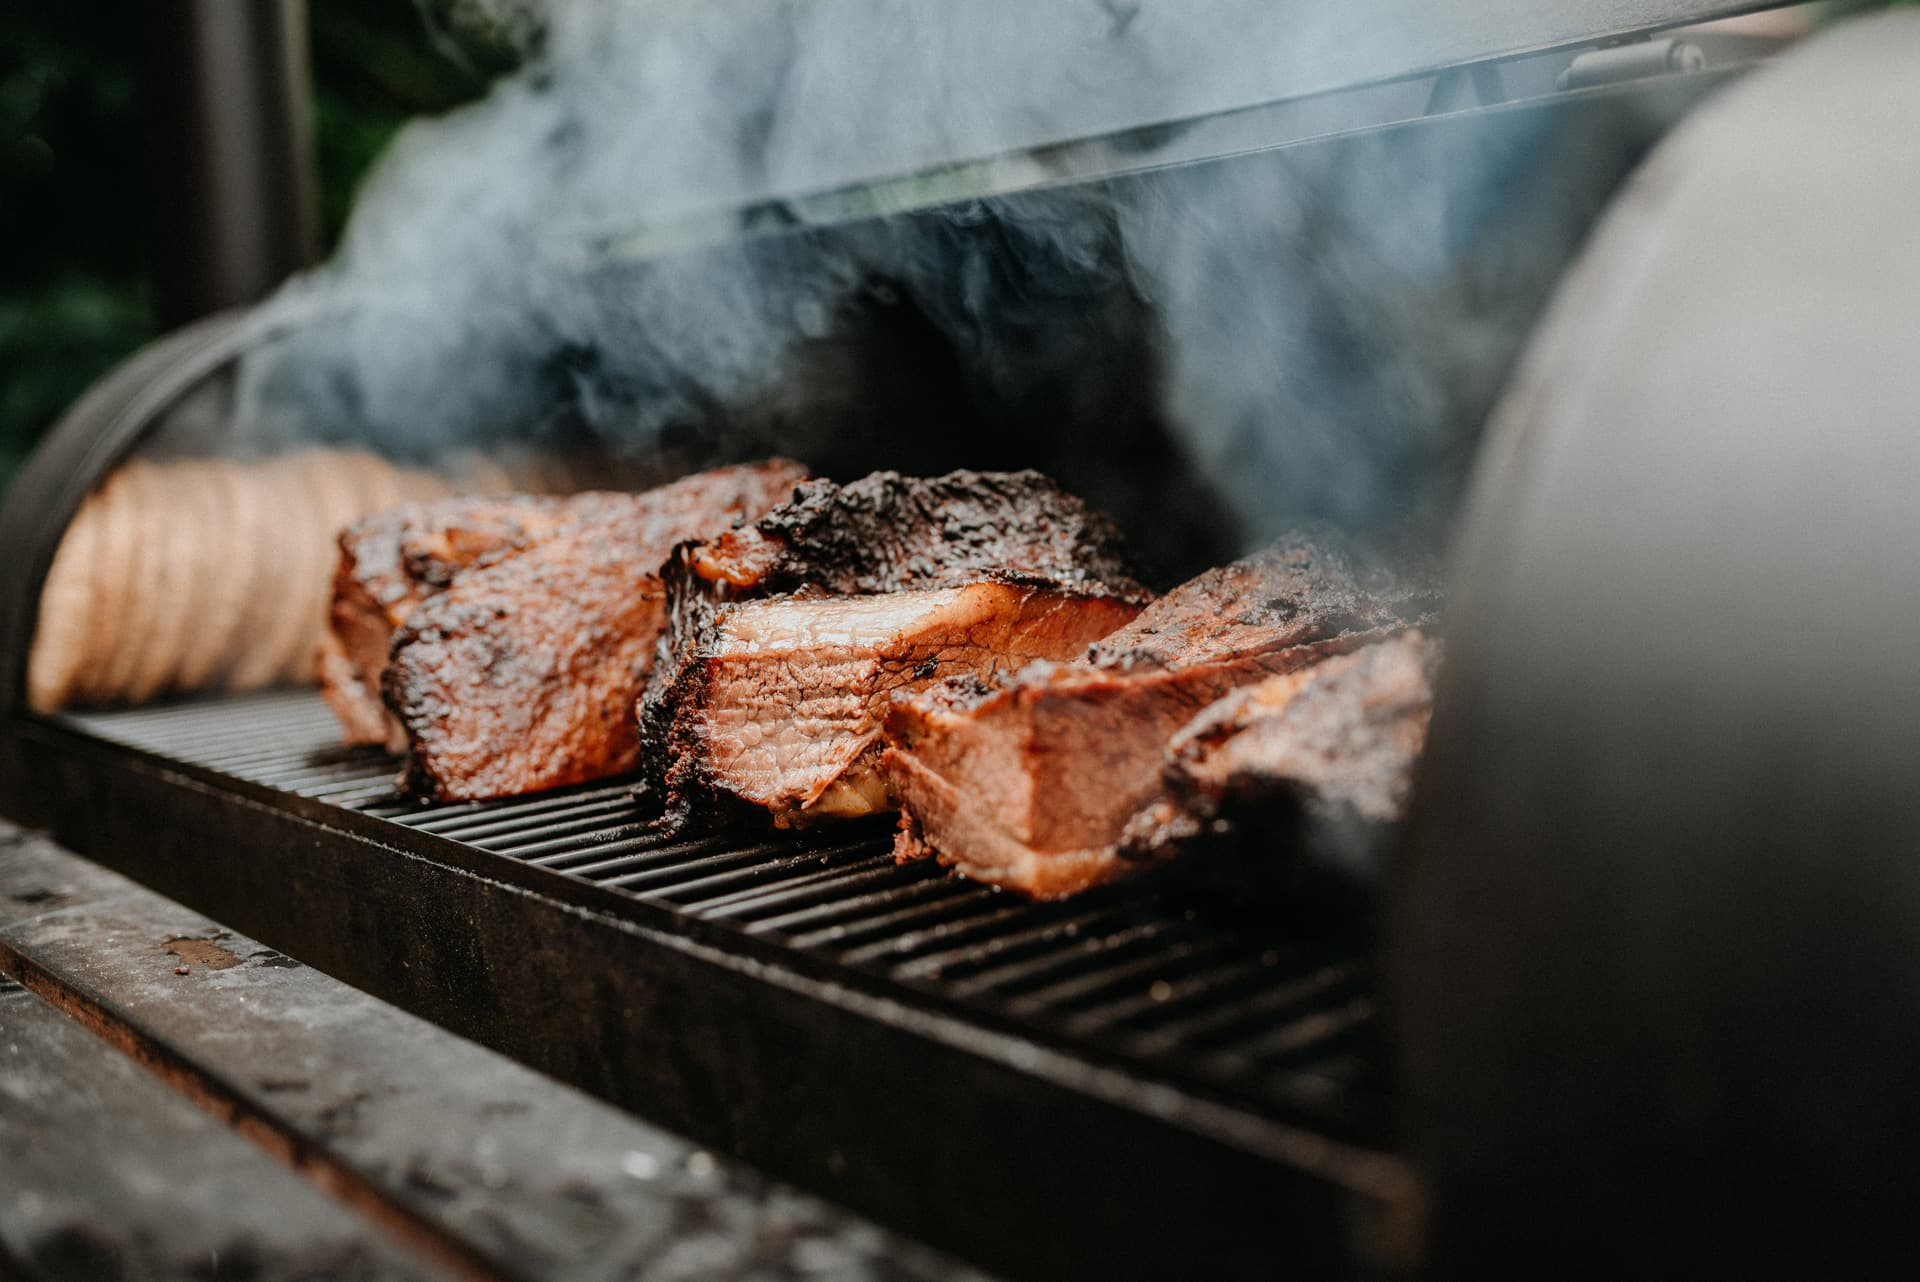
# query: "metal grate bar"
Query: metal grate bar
{"points": [[1182, 996], [351, 795], [751, 882], [467, 820], [1072, 960], [219, 748], [1247, 1007], [667, 874], [636, 871], [903, 947], [1145, 974], [816, 888], [320, 776], [1219, 1026], [962, 901], [605, 823], [987, 948], [520, 832], [615, 856], [837, 920], [1286, 1043]]}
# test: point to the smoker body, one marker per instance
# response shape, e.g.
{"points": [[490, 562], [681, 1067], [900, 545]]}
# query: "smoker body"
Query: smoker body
{"points": [[1009, 1081], [1660, 903]]}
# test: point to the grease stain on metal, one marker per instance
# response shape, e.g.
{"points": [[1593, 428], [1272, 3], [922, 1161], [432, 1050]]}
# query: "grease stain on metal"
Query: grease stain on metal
{"points": [[202, 952]]}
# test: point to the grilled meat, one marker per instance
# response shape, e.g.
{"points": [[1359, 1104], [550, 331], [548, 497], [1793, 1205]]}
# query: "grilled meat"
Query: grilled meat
{"points": [[521, 673], [1301, 773], [1029, 780], [389, 563], [787, 636]]}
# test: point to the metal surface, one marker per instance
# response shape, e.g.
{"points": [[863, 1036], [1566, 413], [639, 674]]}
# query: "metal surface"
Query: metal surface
{"points": [[1043, 1088], [1107, 1086], [91, 1139], [1658, 940], [1013, 78], [486, 1170], [226, 98], [1262, 1011]]}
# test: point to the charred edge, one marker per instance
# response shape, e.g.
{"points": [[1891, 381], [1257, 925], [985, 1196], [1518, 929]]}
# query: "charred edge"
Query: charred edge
{"points": [[678, 778], [844, 536], [399, 693], [682, 781], [663, 774]]}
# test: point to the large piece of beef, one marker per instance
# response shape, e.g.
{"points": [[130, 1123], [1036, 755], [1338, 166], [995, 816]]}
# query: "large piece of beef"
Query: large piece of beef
{"points": [[1029, 780], [389, 563], [788, 636], [1300, 774], [521, 673]]}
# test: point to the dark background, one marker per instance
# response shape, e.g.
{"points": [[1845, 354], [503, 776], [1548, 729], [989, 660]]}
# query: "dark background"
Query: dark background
{"points": [[74, 281], [75, 292]]}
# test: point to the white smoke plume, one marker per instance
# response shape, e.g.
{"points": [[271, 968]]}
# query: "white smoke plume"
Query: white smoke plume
{"points": [[1212, 351]]}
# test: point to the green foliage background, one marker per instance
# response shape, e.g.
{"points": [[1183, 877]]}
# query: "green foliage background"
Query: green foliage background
{"points": [[74, 293]]}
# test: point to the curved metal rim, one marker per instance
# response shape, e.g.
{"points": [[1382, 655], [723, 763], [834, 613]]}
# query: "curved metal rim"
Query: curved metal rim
{"points": [[87, 443]]}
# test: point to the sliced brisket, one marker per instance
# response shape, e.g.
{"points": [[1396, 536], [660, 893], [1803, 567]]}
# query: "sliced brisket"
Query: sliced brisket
{"points": [[389, 563], [787, 637], [521, 672], [1029, 780], [1302, 772]]}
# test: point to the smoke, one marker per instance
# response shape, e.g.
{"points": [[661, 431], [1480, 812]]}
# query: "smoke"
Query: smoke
{"points": [[1211, 351]]}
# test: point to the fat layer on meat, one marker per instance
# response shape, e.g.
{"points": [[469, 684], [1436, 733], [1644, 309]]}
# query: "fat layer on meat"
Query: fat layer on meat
{"points": [[521, 673], [788, 636], [1029, 780]]}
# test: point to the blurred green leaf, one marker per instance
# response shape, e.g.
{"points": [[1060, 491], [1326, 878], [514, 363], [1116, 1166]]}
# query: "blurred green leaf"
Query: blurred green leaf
{"points": [[74, 293]]}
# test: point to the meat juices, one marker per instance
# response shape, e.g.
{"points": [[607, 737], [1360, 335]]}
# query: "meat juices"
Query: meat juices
{"points": [[1320, 760], [1029, 781], [520, 674], [787, 637], [389, 563]]}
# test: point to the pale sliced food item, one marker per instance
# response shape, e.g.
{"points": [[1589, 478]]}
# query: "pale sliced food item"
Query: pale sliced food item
{"points": [[128, 501], [233, 573], [61, 640]]}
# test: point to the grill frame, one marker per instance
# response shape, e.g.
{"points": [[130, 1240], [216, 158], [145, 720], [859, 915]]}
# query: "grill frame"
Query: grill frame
{"points": [[1053, 1133], [1022, 1152]]}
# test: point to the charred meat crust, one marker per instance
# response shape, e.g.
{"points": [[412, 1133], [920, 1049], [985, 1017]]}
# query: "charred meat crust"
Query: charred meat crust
{"points": [[1055, 759], [1306, 586], [391, 561], [884, 535], [1308, 770], [892, 533], [522, 674]]}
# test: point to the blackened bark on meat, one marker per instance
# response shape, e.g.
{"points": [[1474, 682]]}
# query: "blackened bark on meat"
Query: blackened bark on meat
{"points": [[522, 674], [389, 563], [1307, 586], [1030, 780], [1299, 779], [893, 533], [1024, 565]]}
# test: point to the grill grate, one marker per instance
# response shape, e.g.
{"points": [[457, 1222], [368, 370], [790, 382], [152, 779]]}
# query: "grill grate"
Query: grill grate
{"points": [[1262, 1011]]}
